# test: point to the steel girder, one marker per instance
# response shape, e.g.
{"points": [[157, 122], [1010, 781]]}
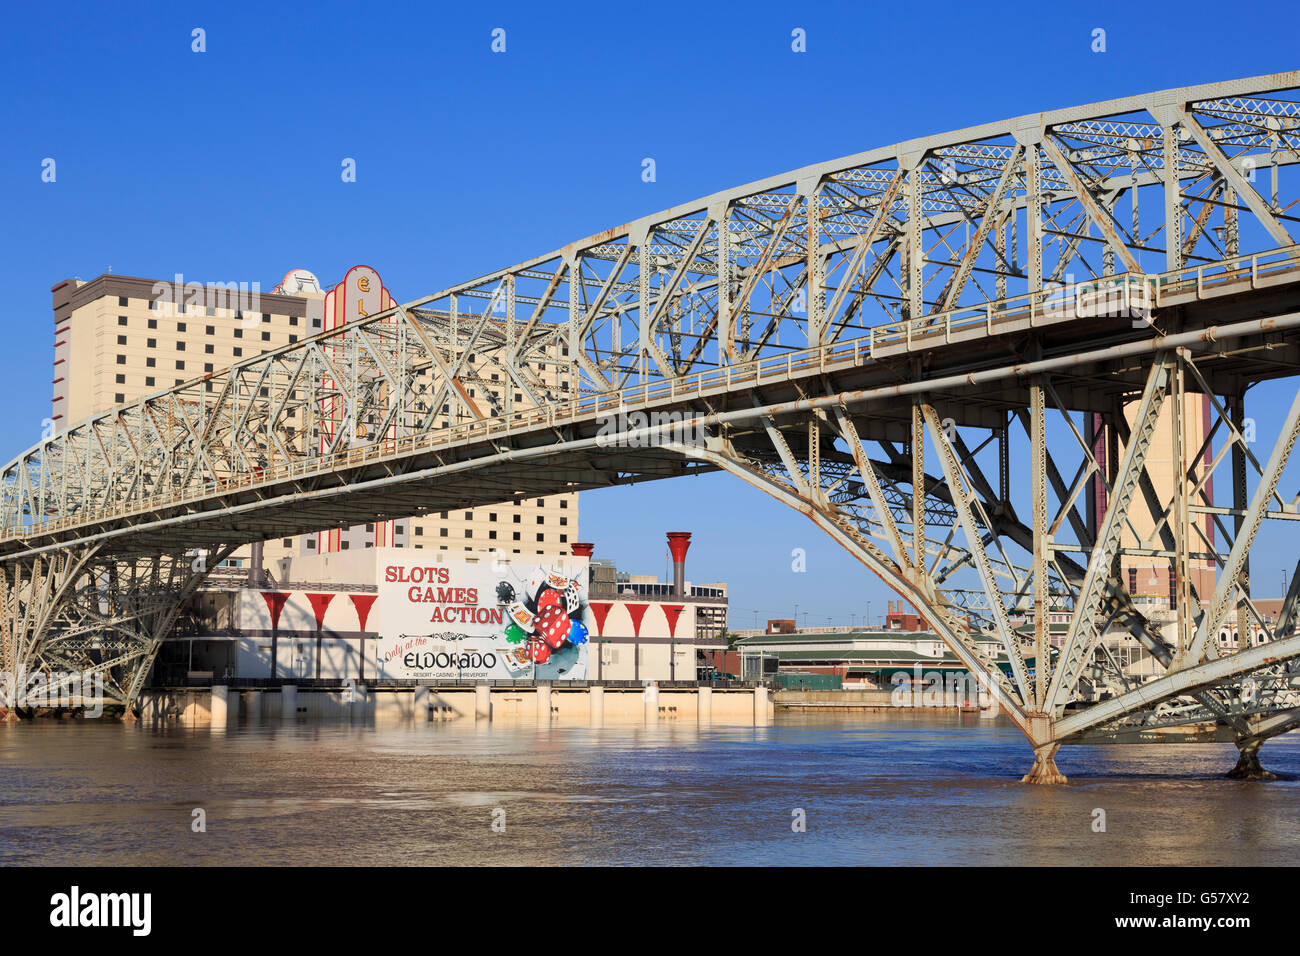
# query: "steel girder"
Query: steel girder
{"points": [[83, 615]]}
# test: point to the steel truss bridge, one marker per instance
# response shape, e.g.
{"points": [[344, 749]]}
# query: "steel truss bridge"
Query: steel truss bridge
{"points": [[951, 354]]}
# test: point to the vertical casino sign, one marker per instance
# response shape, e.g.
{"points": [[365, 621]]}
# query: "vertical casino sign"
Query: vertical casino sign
{"points": [[361, 293], [485, 619]]}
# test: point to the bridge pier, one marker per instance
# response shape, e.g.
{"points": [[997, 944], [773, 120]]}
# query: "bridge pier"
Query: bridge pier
{"points": [[1044, 769], [1248, 766]]}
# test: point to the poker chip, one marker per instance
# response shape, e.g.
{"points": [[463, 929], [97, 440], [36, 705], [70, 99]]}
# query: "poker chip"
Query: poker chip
{"points": [[578, 633], [515, 634], [505, 593]]}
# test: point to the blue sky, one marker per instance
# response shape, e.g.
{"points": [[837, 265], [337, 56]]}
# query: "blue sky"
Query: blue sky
{"points": [[225, 165]]}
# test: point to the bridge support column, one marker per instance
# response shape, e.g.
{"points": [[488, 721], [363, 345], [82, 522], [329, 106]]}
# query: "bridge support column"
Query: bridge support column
{"points": [[651, 697], [219, 706], [483, 701], [544, 702], [420, 705], [1044, 769], [1248, 765], [704, 704], [288, 701], [596, 705]]}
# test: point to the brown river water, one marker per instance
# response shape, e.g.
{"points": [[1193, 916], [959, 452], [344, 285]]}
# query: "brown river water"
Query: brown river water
{"points": [[910, 789]]}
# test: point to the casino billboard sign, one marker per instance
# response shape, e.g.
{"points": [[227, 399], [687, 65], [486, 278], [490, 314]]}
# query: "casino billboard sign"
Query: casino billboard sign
{"points": [[481, 618]]}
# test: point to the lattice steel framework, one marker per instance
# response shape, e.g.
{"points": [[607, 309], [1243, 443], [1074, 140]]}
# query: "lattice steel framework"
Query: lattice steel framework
{"points": [[893, 343]]}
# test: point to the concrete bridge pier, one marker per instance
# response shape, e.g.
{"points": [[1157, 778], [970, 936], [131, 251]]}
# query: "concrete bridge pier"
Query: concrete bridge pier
{"points": [[219, 703], [420, 707], [1248, 765], [1044, 769], [483, 701], [596, 705], [651, 702], [704, 706], [544, 702], [289, 701]]}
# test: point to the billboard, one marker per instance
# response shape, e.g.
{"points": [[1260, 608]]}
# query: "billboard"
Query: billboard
{"points": [[484, 618]]}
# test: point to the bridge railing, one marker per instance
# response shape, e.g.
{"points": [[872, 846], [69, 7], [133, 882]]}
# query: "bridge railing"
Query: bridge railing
{"points": [[1134, 294]]}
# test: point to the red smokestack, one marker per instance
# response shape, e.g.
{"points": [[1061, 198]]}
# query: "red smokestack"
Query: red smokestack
{"points": [[678, 543], [582, 549]]}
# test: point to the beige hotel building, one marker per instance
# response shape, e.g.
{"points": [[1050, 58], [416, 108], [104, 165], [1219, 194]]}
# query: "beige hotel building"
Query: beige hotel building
{"points": [[119, 338]]}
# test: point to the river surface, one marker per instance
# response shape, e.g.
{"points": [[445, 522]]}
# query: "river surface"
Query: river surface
{"points": [[873, 789]]}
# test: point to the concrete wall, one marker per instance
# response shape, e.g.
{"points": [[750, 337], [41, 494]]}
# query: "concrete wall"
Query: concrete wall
{"points": [[617, 705]]}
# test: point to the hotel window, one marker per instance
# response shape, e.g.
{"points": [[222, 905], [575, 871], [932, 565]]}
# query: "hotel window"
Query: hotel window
{"points": [[370, 526], [180, 326], [148, 381], [469, 533], [311, 544], [293, 320], [180, 346], [419, 531], [153, 305], [239, 333], [564, 502], [469, 516], [150, 362], [207, 366], [345, 545], [315, 323], [210, 330], [180, 365], [492, 535], [121, 320], [121, 379], [266, 316], [121, 340], [564, 538], [541, 537], [515, 537], [121, 300], [209, 348], [266, 336], [442, 532], [492, 516], [398, 529], [151, 343], [119, 398], [541, 520], [288, 542], [121, 360], [292, 339], [238, 351], [153, 323]]}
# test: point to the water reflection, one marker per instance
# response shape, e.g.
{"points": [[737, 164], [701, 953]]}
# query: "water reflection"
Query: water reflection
{"points": [[876, 789]]}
